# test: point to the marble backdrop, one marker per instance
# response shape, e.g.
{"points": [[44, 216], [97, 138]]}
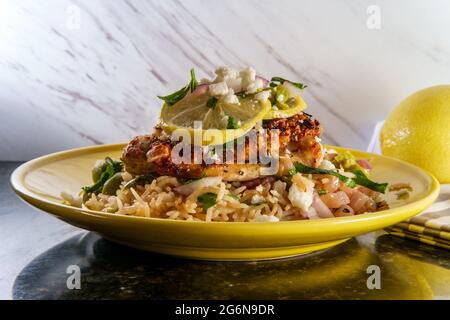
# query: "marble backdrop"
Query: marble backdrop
{"points": [[77, 73]]}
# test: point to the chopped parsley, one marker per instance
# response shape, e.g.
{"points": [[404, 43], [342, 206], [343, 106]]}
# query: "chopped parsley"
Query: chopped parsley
{"points": [[173, 98], [235, 197], [301, 168], [322, 192], [186, 181], [278, 80], [359, 179], [232, 123], [212, 102], [207, 199], [242, 94]]}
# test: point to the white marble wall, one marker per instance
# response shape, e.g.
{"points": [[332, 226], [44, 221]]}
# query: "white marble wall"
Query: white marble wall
{"points": [[64, 84]]}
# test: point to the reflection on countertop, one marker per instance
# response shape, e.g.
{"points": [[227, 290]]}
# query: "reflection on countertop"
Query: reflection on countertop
{"points": [[37, 249], [112, 271]]}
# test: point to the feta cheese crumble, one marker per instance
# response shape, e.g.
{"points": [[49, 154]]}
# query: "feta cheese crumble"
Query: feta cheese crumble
{"points": [[230, 97], [228, 81], [301, 192], [218, 89], [225, 73], [248, 76], [265, 218], [254, 86], [257, 199]]}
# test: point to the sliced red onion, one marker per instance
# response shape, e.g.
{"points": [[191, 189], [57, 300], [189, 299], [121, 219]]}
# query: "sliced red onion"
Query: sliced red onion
{"points": [[365, 164], [335, 200], [311, 214], [265, 81], [358, 201], [201, 88], [187, 189], [321, 208]]}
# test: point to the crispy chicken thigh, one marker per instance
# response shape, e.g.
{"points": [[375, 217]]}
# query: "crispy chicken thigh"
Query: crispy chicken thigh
{"points": [[297, 142]]}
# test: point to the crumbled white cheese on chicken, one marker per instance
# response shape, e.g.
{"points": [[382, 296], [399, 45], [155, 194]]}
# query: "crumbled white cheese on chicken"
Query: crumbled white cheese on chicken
{"points": [[301, 192]]}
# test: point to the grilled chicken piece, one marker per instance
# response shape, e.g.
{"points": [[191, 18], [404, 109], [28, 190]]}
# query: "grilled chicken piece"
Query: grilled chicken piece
{"points": [[147, 154], [152, 153], [294, 129]]}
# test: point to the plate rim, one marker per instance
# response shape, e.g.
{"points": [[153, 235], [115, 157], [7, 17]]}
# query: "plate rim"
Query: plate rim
{"points": [[18, 175]]}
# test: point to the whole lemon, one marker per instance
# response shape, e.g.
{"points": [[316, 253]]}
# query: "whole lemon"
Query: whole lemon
{"points": [[418, 131]]}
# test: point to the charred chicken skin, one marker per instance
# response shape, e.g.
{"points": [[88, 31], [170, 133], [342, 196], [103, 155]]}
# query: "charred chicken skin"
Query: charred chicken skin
{"points": [[297, 142]]}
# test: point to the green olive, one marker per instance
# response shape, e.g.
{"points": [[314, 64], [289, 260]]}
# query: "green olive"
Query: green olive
{"points": [[112, 210], [112, 184], [139, 180], [85, 197], [282, 94], [97, 171]]}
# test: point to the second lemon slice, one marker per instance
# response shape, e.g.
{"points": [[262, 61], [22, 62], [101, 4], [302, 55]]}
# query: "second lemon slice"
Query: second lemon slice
{"points": [[193, 111]]}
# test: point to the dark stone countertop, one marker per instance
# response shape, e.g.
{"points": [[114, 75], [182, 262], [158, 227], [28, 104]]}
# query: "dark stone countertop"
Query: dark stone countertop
{"points": [[36, 250]]}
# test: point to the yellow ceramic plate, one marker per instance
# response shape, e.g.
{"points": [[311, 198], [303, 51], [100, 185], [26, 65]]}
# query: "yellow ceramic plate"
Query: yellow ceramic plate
{"points": [[39, 182]]}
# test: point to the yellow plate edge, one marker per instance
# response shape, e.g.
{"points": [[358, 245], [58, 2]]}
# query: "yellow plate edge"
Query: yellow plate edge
{"points": [[17, 178]]}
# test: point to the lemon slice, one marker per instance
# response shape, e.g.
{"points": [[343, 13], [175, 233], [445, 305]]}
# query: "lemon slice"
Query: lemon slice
{"points": [[296, 108], [214, 120]]}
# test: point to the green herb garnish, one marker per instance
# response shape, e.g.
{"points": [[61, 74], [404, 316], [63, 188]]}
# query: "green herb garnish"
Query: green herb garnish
{"points": [[173, 98], [186, 181], [360, 178], [208, 199], [301, 168], [235, 197], [211, 103], [232, 123], [110, 168], [242, 94], [322, 192], [278, 80], [347, 161]]}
